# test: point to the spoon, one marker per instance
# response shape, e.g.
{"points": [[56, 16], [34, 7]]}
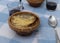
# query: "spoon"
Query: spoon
{"points": [[52, 21]]}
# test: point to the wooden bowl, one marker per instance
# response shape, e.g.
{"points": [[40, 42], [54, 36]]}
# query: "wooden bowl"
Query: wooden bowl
{"points": [[35, 3], [24, 30]]}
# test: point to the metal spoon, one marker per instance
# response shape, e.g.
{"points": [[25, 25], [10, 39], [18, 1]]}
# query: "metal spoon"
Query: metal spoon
{"points": [[52, 21]]}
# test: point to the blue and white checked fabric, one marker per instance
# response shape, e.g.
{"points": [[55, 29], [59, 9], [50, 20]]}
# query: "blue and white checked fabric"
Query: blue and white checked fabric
{"points": [[45, 34]]}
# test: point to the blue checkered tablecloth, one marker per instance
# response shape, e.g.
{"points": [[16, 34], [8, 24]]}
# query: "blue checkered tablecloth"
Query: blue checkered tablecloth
{"points": [[45, 33]]}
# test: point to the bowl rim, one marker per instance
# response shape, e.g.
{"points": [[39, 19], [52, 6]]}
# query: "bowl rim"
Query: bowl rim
{"points": [[37, 24], [35, 2]]}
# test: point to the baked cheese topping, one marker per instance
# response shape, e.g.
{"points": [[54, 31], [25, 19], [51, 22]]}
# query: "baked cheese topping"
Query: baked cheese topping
{"points": [[23, 20]]}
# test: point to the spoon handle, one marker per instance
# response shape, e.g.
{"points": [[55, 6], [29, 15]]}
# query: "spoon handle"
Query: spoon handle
{"points": [[57, 38]]}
